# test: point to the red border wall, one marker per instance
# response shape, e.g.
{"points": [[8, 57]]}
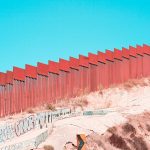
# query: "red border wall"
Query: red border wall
{"points": [[21, 89]]}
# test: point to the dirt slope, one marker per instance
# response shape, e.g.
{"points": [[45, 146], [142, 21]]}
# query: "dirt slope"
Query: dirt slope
{"points": [[127, 127]]}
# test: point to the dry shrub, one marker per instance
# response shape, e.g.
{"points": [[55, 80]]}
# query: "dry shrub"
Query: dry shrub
{"points": [[100, 87], [48, 147], [118, 141], [128, 85], [30, 111], [128, 128], [112, 129], [139, 143], [81, 102], [50, 107], [134, 82], [148, 127], [143, 84]]}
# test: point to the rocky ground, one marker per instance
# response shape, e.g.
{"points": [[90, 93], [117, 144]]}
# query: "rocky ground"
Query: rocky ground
{"points": [[132, 135]]}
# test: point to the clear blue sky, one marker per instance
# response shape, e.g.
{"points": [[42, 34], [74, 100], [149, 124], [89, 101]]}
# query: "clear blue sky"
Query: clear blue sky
{"points": [[42, 30]]}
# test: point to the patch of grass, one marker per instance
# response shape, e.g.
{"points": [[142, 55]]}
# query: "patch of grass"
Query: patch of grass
{"points": [[48, 147]]}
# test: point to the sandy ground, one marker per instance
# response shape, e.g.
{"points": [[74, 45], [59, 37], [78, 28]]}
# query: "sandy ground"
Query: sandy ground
{"points": [[66, 130], [129, 99]]}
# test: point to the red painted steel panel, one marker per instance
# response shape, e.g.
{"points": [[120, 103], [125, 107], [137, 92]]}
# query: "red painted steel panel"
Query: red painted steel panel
{"points": [[83, 61], [93, 61], [93, 76], [139, 66], [34, 91], [2, 100], [103, 75], [74, 77], [53, 91], [74, 63], [8, 92], [109, 55], [93, 58], [74, 82], [110, 72], [31, 71], [2, 93], [2, 78], [101, 57], [146, 60], [133, 67], [18, 99], [15, 97], [21, 96], [84, 79], [102, 71], [64, 85], [29, 89], [18, 73], [51, 87], [53, 67], [42, 69], [126, 64], [146, 49], [146, 65], [125, 53], [84, 74], [17, 108], [117, 68], [139, 50], [118, 65], [9, 77], [110, 66], [42, 78], [132, 51], [126, 69], [8, 101], [117, 54], [64, 65], [133, 62]]}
